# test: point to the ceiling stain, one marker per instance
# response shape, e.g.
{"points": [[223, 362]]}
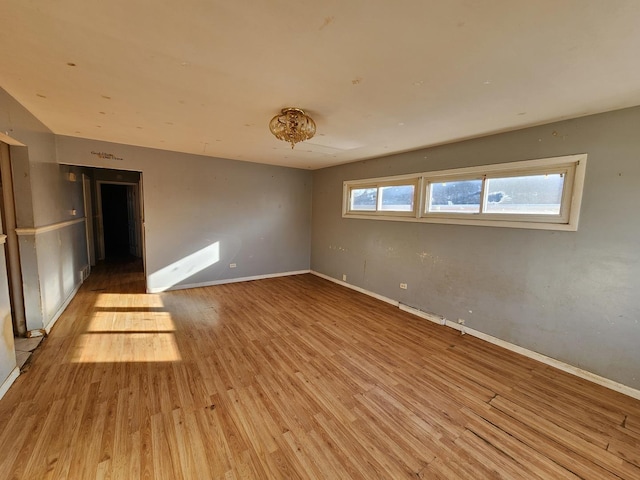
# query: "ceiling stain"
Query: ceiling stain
{"points": [[423, 256], [327, 21]]}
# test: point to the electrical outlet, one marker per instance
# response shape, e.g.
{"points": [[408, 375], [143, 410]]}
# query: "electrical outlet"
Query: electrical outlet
{"points": [[344, 277], [460, 321], [232, 265], [403, 286]]}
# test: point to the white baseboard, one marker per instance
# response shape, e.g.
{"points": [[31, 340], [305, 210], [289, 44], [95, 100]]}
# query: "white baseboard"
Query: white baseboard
{"points": [[9, 381], [565, 367], [395, 303], [223, 282], [62, 308], [432, 317]]}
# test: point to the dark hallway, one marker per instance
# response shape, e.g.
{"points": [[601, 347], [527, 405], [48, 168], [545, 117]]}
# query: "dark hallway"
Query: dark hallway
{"points": [[115, 221]]}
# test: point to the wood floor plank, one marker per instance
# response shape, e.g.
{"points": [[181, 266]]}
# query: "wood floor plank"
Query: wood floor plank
{"points": [[10, 467], [294, 377], [560, 453], [595, 454], [166, 463], [534, 461], [632, 423], [412, 460], [630, 453], [565, 419]]}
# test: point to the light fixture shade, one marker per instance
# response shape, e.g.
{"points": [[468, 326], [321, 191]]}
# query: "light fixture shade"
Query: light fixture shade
{"points": [[293, 126]]}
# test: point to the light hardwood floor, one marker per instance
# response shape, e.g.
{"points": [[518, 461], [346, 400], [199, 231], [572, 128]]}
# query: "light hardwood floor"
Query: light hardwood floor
{"points": [[294, 378]]}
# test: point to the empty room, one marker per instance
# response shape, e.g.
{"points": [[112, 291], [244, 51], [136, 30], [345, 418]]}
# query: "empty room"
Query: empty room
{"points": [[320, 240]]}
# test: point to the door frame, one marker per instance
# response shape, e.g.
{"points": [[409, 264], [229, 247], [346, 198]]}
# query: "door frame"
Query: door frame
{"points": [[12, 247], [88, 216]]}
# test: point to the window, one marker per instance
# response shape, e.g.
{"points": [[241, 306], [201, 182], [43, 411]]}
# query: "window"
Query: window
{"points": [[394, 197], [457, 196], [364, 199], [527, 195], [542, 193]]}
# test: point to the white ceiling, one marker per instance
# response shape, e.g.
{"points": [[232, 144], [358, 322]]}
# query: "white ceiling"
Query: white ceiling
{"points": [[378, 77]]}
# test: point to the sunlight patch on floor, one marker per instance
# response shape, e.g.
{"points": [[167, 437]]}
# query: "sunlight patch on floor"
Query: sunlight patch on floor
{"points": [[119, 347], [130, 322], [123, 329], [148, 300]]}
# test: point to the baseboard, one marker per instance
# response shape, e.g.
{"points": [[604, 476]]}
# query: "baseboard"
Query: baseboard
{"points": [[62, 308], [432, 317], [224, 282], [395, 303], [565, 367], [9, 381]]}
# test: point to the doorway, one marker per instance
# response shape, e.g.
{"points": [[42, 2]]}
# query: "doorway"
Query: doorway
{"points": [[120, 221], [115, 220]]}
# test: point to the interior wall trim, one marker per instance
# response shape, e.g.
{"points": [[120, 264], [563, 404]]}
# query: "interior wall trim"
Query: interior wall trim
{"points": [[22, 231], [395, 303], [440, 320], [222, 282], [9, 381], [10, 140]]}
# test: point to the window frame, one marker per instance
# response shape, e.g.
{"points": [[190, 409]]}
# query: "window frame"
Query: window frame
{"points": [[572, 166], [400, 180]]}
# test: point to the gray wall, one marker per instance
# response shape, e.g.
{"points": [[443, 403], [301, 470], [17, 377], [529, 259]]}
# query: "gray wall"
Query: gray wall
{"points": [[573, 296], [51, 262], [202, 213]]}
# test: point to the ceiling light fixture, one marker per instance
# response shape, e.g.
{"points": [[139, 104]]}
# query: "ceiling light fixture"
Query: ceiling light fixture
{"points": [[293, 126]]}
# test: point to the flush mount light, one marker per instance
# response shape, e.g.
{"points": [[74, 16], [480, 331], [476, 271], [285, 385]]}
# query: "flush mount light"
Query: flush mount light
{"points": [[293, 126]]}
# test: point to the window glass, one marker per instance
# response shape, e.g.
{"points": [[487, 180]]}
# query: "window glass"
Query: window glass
{"points": [[531, 195], [458, 196], [364, 199], [397, 198]]}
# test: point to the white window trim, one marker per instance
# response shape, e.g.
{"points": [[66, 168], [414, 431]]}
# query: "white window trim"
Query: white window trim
{"points": [[379, 183], [571, 202]]}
